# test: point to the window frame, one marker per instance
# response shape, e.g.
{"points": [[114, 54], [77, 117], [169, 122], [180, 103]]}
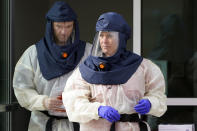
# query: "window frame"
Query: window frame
{"points": [[137, 47]]}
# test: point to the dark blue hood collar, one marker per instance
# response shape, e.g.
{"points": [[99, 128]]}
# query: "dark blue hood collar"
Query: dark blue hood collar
{"points": [[121, 66], [51, 62]]}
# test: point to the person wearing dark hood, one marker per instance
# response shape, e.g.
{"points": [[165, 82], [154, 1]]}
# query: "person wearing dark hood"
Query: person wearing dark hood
{"points": [[42, 71], [113, 87]]}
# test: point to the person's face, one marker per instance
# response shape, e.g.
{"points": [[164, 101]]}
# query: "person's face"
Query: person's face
{"points": [[62, 31], [108, 43]]}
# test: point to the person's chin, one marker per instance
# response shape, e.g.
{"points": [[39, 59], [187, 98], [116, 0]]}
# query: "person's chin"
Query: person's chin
{"points": [[63, 41], [106, 52]]}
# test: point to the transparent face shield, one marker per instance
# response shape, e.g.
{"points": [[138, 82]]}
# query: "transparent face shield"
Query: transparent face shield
{"points": [[63, 33], [105, 44]]}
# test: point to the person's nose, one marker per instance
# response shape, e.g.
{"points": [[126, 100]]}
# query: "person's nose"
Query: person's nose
{"points": [[105, 40], [63, 31]]}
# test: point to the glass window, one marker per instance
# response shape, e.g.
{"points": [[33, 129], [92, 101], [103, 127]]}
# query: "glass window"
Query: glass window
{"points": [[169, 38]]}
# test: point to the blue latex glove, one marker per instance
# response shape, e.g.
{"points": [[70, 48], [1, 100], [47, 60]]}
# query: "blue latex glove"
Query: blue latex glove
{"points": [[108, 113], [143, 106]]}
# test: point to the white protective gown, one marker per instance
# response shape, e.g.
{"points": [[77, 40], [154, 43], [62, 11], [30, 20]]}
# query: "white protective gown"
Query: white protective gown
{"points": [[82, 99], [31, 88]]}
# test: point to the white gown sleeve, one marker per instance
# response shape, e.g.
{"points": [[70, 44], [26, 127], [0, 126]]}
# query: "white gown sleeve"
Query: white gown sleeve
{"points": [[23, 83], [76, 97], [155, 88]]}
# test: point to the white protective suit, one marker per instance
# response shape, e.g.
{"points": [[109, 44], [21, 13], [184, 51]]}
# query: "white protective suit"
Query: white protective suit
{"points": [[83, 99], [31, 89]]}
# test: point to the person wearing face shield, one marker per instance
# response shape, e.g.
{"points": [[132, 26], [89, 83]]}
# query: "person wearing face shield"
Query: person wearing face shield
{"points": [[42, 71], [113, 87]]}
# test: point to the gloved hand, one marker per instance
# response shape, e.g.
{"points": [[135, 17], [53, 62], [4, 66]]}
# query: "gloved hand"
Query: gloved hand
{"points": [[143, 106], [108, 113], [54, 104]]}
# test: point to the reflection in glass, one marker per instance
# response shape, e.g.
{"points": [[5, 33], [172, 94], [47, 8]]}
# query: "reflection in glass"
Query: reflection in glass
{"points": [[169, 38], [172, 48]]}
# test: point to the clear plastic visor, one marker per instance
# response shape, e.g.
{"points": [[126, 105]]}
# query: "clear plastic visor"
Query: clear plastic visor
{"points": [[105, 44]]}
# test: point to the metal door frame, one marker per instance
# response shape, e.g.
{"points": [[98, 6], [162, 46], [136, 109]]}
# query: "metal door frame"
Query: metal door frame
{"points": [[7, 31]]}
